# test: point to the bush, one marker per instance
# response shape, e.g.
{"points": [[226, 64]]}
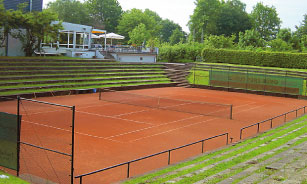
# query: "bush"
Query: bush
{"points": [[187, 52], [271, 59]]}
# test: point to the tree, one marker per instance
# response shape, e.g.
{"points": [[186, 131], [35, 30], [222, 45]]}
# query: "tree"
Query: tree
{"points": [[138, 35], [106, 13], [251, 38], [176, 37], [302, 29], [265, 20], [233, 18], [33, 27], [285, 35], [219, 42], [72, 11], [2, 23], [167, 29], [279, 45], [204, 18], [133, 18]]}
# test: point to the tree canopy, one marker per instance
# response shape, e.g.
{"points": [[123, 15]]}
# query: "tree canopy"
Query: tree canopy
{"points": [[72, 11], [105, 12], [265, 20]]}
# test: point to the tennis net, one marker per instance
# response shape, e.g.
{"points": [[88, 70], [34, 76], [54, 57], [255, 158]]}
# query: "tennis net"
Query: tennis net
{"points": [[192, 107]]}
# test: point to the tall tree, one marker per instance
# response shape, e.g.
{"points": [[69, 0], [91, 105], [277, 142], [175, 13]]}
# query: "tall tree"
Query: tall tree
{"points": [[302, 29], [72, 11], [233, 18], [265, 20], [106, 13], [167, 29], [139, 35], [33, 27], [204, 18], [176, 37], [251, 38], [132, 18]]}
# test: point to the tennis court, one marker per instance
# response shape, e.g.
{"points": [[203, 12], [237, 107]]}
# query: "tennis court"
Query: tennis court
{"points": [[122, 126]]}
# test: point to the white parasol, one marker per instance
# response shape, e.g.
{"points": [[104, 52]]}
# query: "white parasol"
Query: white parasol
{"points": [[112, 36]]}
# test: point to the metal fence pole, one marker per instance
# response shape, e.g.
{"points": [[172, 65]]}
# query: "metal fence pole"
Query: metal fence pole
{"points": [[258, 127], [18, 134], [99, 93], [241, 134], [231, 111], [81, 180], [194, 74], [73, 143], [202, 147], [285, 118], [271, 123], [169, 157], [227, 137], [128, 170]]}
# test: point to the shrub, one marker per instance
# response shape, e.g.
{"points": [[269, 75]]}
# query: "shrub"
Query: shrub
{"points": [[271, 59]]}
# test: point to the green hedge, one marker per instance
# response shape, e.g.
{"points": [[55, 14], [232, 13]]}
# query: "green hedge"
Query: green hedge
{"points": [[180, 52], [242, 57]]}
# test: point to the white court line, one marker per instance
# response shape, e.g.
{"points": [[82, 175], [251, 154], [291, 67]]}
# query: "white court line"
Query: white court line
{"points": [[134, 131], [62, 129], [172, 130], [112, 117]]}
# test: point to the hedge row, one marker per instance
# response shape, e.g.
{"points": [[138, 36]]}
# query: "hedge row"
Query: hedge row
{"points": [[180, 52], [242, 57]]}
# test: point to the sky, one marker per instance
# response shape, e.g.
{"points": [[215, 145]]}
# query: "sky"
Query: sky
{"points": [[290, 11]]}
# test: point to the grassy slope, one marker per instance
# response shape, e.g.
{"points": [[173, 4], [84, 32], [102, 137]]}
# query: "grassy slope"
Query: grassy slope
{"points": [[237, 149], [11, 179]]}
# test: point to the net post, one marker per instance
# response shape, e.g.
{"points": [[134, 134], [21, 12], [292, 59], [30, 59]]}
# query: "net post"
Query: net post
{"points": [[231, 111], [18, 135], [73, 144]]}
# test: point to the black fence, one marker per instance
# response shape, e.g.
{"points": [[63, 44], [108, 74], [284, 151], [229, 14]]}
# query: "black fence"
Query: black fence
{"points": [[153, 155], [46, 146], [275, 81], [271, 120]]}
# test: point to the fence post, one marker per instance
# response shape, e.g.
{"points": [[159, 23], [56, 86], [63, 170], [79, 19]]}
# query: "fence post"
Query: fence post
{"points": [[194, 73], [241, 134], [81, 180], [231, 111], [272, 123], [227, 137], [18, 134], [128, 170], [258, 127], [99, 93], [285, 118], [72, 143], [202, 147], [296, 113], [169, 157]]}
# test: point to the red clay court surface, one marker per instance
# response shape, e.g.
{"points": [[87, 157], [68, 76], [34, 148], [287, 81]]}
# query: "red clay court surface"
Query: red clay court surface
{"points": [[111, 133]]}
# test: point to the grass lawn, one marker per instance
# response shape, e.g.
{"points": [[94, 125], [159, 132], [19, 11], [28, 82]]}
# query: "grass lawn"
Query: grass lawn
{"points": [[231, 156], [11, 180]]}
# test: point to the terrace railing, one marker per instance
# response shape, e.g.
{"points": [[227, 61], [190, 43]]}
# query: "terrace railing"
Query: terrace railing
{"points": [[271, 120], [156, 154]]}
